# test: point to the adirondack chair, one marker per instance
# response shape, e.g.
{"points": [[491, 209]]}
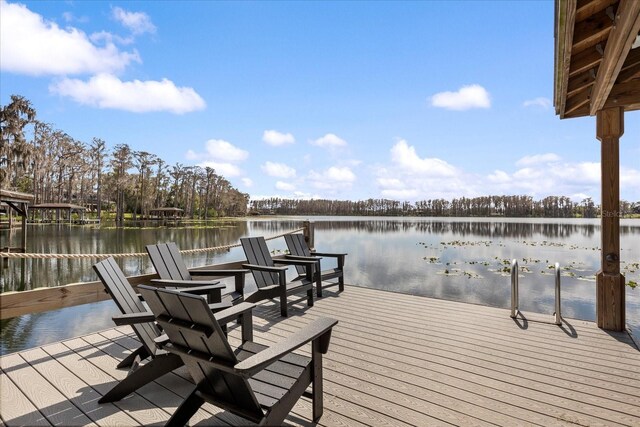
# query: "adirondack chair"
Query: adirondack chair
{"points": [[168, 262], [298, 247], [134, 313], [255, 382], [271, 280]]}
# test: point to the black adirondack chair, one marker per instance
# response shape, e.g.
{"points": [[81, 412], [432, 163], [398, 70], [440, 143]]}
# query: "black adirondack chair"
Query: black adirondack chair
{"points": [[298, 247], [255, 382], [272, 280], [168, 262], [134, 313]]}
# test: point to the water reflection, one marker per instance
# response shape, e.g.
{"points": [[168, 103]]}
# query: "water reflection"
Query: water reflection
{"points": [[34, 273], [456, 259], [456, 226]]}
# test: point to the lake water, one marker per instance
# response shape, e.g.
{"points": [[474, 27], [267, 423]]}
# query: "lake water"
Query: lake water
{"points": [[461, 259]]}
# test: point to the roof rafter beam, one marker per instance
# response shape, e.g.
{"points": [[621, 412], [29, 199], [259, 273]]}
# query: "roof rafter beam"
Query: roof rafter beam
{"points": [[621, 38], [584, 61], [624, 95], [592, 31]]}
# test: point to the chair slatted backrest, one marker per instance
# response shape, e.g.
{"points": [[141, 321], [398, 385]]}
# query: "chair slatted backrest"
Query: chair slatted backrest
{"points": [[191, 327], [168, 262], [257, 252], [126, 299], [297, 246]]}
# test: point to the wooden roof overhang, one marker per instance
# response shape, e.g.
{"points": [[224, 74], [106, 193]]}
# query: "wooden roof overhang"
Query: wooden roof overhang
{"points": [[16, 200], [597, 56], [15, 197]]}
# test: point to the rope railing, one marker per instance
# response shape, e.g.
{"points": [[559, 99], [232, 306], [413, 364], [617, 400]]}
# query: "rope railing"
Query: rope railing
{"points": [[136, 254]]}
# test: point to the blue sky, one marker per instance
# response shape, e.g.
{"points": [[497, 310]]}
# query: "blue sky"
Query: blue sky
{"points": [[345, 100]]}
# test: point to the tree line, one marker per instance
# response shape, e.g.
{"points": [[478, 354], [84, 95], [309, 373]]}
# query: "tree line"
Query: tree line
{"points": [[484, 206], [38, 159]]}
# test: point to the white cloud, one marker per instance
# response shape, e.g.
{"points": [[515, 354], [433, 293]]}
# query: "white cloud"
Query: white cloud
{"points": [[467, 97], [390, 183], [227, 170], [333, 178], [279, 170], [222, 156], [275, 138], [220, 149], [339, 174], [31, 45], [538, 158], [285, 186], [543, 178], [330, 140], [136, 22], [407, 176], [499, 176], [108, 91], [70, 17], [542, 102], [407, 159]]}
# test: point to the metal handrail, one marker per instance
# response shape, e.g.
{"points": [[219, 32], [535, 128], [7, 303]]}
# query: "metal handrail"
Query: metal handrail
{"points": [[557, 314], [514, 288], [515, 297]]}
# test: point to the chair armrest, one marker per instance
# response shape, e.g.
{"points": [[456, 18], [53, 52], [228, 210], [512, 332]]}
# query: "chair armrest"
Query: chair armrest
{"points": [[304, 261], [201, 290], [238, 275], [133, 318], [162, 339], [219, 306], [334, 255], [303, 258], [316, 329], [232, 313], [218, 273], [187, 283], [264, 268]]}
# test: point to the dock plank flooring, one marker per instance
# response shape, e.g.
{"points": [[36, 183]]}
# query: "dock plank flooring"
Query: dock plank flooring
{"points": [[394, 360]]}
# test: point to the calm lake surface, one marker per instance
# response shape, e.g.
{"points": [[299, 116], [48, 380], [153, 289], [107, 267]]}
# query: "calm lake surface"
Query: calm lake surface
{"points": [[461, 259]]}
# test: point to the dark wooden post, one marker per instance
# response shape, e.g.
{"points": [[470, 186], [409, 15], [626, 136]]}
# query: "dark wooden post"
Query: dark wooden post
{"points": [[23, 243], [610, 292], [309, 234]]}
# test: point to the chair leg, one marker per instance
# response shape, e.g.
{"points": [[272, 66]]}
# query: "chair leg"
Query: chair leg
{"points": [[155, 368], [128, 361], [186, 410], [283, 306], [310, 297], [283, 294], [341, 283], [246, 323], [316, 376], [318, 284]]}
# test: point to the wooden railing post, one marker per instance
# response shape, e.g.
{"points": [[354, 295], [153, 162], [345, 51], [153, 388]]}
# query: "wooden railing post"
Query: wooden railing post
{"points": [[610, 292], [309, 234]]}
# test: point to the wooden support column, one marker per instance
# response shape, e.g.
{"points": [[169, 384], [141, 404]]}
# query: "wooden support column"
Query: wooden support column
{"points": [[610, 291], [309, 232], [23, 239]]}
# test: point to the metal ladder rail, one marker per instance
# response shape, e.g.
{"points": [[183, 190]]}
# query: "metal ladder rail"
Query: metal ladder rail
{"points": [[515, 297]]}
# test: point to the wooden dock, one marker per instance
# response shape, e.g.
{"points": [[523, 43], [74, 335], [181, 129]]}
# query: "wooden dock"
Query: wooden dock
{"points": [[394, 360]]}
